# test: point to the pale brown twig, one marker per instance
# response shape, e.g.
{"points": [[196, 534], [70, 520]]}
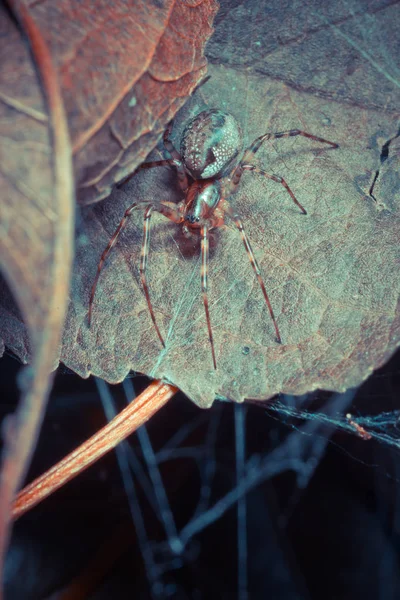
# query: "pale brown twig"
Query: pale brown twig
{"points": [[138, 412]]}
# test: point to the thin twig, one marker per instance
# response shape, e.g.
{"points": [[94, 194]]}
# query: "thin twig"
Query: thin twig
{"points": [[135, 414]]}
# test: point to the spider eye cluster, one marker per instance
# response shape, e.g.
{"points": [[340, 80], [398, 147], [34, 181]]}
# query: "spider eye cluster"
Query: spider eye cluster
{"points": [[210, 143], [190, 218]]}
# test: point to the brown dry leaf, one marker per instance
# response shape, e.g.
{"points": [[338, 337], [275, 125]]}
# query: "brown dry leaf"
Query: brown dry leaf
{"points": [[125, 69], [332, 275], [36, 215]]}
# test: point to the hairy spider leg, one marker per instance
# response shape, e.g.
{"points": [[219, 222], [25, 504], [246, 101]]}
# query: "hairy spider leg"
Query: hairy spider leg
{"points": [[234, 182], [149, 165], [108, 249], [278, 179], [175, 161], [167, 210], [144, 253], [238, 222], [204, 285], [254, 146]]}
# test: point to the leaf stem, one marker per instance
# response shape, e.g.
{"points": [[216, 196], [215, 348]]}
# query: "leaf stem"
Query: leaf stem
{"points": [[133, 416]]}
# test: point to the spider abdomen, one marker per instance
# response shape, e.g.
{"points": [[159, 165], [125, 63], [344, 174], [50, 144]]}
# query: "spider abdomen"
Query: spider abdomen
{"points": [[210, 143]]}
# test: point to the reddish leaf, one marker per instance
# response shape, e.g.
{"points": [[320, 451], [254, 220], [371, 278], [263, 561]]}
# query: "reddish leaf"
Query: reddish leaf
{"points": [[125, 69], [37, 227]]}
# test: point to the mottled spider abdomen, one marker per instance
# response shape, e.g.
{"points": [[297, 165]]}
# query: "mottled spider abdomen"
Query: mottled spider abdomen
{"points": [[210, 143]]}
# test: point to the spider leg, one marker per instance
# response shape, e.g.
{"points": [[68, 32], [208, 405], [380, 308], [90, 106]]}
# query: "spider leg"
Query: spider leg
{"points": [[204, 286], [176, 159], [108, 249], [144, 253], [254, 147], [169, 211], [278, 179], [238, 222], [148, 165]]}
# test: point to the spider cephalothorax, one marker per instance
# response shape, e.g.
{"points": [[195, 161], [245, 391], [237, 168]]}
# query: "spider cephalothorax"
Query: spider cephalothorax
{"points": [[201, 200], [208, 174]]}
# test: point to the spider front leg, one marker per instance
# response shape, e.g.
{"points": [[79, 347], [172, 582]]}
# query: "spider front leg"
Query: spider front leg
{"points": [[174, 215], [169, 211], [175, 161], [149, 165], [108, 249], [238, 222], [254, 147]]}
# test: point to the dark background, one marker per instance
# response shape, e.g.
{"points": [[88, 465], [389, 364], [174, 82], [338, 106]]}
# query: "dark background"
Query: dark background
{"points": [[331, 533]]}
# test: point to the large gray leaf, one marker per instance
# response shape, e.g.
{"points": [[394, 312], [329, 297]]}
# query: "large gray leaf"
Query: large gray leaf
{"points": [[332, 275]]}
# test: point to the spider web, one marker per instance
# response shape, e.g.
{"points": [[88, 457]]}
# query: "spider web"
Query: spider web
{"points": [[235, 482], [301, 451]]}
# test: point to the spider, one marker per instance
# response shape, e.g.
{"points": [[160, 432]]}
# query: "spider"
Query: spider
{"points": [[208, 174]]}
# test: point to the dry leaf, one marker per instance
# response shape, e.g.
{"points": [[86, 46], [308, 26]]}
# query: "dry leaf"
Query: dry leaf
{"points": [[332, 275], [345, 51], [125, 69], [36, 215]]}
